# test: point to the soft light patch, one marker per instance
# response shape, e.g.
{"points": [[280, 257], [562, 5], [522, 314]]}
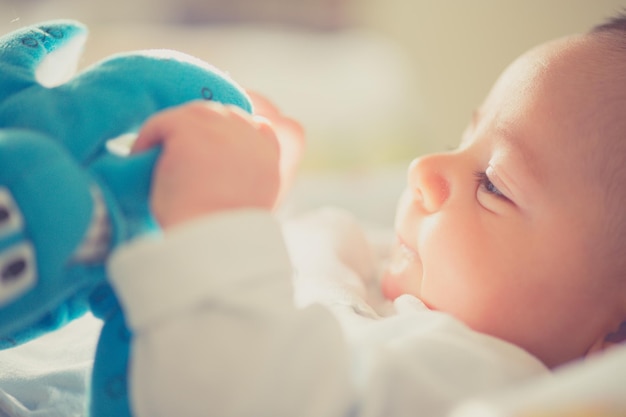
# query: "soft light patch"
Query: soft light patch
{"points": [[59, 66], [121, 145]]}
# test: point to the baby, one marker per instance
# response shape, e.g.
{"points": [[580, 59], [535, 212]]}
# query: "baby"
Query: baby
{"points": [[519, 232], [509, 259]]}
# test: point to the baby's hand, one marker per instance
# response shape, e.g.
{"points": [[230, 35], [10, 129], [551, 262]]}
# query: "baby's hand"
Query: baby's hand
{"points": [[291, 139], [213, 158]]}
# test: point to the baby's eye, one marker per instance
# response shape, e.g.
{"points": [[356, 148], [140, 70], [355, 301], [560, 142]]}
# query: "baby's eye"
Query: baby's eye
{"points": [[485, 184]]}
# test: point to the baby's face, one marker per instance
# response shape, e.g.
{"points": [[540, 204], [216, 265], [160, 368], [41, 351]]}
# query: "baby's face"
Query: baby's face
{"points": [[503, 232]]}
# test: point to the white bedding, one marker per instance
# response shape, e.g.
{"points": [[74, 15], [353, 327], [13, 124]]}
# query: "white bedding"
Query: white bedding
{"points": [[48, 377], [592, 388]]}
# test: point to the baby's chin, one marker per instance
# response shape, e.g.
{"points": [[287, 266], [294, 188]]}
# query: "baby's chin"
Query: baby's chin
{"points": [[403, 275]]}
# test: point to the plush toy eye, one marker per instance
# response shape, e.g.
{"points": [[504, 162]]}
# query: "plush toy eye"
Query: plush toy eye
{"points": [[17, 271], [207, 94], [11, 220]]}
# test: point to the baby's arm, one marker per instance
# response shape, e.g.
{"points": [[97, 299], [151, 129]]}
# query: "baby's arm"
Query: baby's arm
{"points": [[210, 303]]}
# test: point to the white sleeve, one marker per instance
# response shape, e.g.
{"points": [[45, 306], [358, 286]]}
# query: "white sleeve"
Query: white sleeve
{"points": [[215, 328], [216, 333]]}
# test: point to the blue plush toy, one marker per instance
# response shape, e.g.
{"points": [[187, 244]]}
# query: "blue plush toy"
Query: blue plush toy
{"points": [[66, 200]]}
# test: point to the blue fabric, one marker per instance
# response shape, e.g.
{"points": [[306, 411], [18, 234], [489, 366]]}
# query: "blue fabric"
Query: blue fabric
{"points": [[53, 157]]}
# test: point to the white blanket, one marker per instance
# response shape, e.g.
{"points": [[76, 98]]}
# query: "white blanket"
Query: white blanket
{"points": [[48, 377]]}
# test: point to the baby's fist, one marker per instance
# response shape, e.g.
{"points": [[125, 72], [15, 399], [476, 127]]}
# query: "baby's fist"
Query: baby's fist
{"points": [[214, 158]]}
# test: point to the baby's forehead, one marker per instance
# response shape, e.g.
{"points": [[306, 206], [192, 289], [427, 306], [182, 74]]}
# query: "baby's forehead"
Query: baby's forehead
{"points": [[566, 99], [589, 71], [597, 64], [593, 61], [602, 67]]}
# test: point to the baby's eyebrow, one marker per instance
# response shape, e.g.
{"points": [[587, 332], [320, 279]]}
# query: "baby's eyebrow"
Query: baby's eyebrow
{"points": [[513, 143], [518, 147]]}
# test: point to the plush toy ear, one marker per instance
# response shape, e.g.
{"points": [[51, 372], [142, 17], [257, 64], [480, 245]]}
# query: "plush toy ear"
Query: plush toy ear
{"points": [[47, 53], [60, 64]]}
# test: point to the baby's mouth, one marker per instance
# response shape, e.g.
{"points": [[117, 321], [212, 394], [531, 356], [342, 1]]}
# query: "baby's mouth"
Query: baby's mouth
{"points": [[404, 272], [402, 256]]}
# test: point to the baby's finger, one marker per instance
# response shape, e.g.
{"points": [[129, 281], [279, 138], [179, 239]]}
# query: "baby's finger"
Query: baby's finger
{"points": [[266, 129], [265, 108], [154, 131], [262, 105], [165, 124]]}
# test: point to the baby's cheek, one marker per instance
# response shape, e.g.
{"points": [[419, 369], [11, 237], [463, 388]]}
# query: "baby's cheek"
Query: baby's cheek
{"points": [[452, 263]]}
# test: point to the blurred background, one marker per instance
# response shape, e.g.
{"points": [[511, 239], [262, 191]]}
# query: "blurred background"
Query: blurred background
{"points": [[375, 82]]}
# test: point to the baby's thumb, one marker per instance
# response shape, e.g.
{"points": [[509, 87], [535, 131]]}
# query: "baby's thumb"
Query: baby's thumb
{"points": [[151, 134]]}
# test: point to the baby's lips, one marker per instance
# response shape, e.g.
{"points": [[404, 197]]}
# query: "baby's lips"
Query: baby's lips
{"points": [[401, 257]]}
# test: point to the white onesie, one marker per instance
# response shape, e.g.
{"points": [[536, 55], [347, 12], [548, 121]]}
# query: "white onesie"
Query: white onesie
{"points": [[217, 331]]}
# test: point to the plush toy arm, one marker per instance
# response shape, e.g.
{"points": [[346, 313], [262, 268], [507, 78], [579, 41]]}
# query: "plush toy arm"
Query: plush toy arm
{"points": [[126, 181]]}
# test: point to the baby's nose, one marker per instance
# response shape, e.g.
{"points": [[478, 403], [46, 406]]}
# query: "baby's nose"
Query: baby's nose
{"points": [[427, 178]]}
